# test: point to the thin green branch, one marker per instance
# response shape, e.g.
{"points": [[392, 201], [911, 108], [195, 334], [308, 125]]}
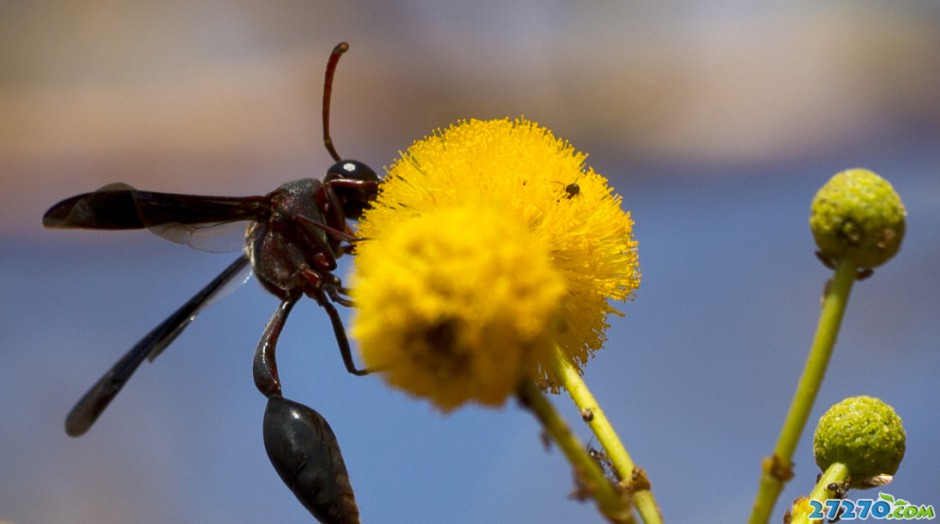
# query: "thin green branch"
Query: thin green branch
{"points": [[778, 468], [837, 474], [611, 502], [623, 465]]}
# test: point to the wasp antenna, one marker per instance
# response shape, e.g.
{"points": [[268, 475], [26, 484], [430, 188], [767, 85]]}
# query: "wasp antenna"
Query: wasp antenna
{"points": [[340, 48]]}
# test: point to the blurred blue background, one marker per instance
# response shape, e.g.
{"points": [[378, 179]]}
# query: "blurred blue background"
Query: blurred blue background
{"points": [[717, 123]]}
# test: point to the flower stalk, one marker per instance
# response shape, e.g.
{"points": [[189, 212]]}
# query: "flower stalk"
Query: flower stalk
{"points": [[623, 465], [837, 474], [777, 469], [612, 502]]}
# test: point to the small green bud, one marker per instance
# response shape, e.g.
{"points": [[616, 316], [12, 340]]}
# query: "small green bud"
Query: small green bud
{"points": [[858, 215], [866, 435]]}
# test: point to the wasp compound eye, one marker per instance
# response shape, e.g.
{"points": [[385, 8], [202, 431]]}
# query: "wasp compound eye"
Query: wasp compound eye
{"points": [[355, 185], [351, 170]]}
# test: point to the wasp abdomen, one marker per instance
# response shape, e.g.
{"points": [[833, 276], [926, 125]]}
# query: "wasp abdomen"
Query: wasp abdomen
{"points": [[306, 455]]}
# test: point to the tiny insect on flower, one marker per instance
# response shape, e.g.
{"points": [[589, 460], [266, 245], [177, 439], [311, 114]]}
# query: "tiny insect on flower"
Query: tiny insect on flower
{"points": [[474, 256]]}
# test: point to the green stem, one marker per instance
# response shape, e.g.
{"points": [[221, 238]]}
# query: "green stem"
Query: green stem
{"points": [[836, 474], [777, 469], [609, 499], [623, 465]]}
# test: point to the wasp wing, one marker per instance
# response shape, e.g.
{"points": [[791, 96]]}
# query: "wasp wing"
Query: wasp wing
{"points": [[87, 410], [185, 219]]}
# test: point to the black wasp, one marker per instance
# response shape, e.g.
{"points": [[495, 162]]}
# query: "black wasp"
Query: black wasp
{"points": [[293, 238]]}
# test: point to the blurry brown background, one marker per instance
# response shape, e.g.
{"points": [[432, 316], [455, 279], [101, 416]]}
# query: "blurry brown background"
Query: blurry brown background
{"points": [[215, 96]]}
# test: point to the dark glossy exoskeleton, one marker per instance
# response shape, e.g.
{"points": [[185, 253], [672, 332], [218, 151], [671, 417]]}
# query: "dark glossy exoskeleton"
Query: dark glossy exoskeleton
{"points": [[293, 238], [306, 455], [572, 190]]}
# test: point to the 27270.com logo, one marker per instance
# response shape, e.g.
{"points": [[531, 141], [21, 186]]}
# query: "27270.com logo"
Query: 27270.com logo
{"points": [[886, 507]]}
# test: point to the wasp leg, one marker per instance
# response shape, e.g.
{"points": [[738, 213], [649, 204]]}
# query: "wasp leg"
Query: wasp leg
{"points": [[340, 295], [323, 291], [343, 342], [264, 368]]}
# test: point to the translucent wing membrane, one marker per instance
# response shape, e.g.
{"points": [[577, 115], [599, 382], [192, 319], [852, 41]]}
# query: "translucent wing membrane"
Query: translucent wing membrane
{"points": [[213, 238]]}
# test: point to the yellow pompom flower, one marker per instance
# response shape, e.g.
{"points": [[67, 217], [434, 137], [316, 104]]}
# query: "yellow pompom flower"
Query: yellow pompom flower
{"points": [[444, 331], [490, 243]]}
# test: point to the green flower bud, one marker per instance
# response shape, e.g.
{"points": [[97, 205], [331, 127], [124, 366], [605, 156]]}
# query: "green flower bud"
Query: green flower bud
{"points": [[857, 215], [866, 435]]}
